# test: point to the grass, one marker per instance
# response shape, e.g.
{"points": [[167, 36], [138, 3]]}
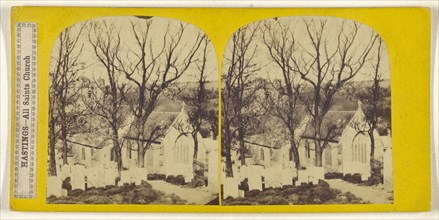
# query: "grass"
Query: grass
{"points": [[295, 195], [126, 194]]}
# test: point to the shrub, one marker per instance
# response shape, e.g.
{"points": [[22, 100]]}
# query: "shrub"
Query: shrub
{"points": [[272, 200], [244, 185], [119, 190], [323, 183], [93, 191], [198, 181], [288, 191], [356, 178], [155, 176], [304, 194], [75, 192], [97, 199], [323, 194], [237, 201], [170, 179], [374, 179], [161, 176], [269, 192], [252, 193], [113, 191], [145, 184], [109, 187], [179, 180], [347, 177], [376, 170], [141, 196], [199, 172], [66, 184], [333, 175]]}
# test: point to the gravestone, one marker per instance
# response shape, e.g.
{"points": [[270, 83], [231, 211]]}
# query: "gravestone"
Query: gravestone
{"points": [[125, 177], [110, 177], [230, 187], [303, 177], [241, 193], [315, 174], [244, 172], [65, 171], [54, 186], [78, 177], [362, 168], [138, 174], [255, 177], [287, 176], [273, 177], [63, 192]]}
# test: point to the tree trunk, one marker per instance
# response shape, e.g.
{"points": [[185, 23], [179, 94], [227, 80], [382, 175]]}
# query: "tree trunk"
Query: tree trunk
{"points": [[317, 142], [372, 148], [227, 142], [295, 151], [64, 144], [52, 144], [319, 152], [241, 145], [229, 165], [140, 155], [117, 151], [195, 138]]}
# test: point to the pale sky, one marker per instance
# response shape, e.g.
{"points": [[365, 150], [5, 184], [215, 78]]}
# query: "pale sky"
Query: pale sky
{"points": [[128, 43], [297, 26]]}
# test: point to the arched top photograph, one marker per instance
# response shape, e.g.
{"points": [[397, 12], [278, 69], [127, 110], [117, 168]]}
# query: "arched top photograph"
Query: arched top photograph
{"points": [[123, 91], [306, 88]]}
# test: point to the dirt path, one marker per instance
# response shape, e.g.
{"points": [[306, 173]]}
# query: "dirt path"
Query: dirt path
{"points": [[199, 195], [372, 194]]}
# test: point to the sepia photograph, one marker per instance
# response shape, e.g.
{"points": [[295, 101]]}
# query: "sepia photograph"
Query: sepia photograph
{"points": [[133, 114], [306, 114]]}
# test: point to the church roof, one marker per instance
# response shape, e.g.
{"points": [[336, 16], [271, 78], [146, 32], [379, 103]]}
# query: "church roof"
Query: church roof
{"points": [[265, 141], [335, 122], [161, 122]]}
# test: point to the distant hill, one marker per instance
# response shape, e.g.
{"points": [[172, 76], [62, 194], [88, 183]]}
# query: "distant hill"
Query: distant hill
{"points": [[367, 83], [210, 85]]}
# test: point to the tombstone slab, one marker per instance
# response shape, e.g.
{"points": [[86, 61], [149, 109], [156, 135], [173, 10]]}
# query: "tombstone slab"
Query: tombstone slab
{"points": [[78, 177], [230, 187], [54, 186], [303, 176]]}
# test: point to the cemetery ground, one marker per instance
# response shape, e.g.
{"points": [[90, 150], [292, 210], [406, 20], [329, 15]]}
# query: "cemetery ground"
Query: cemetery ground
{"points": [[319, 193], [376, 194], [126, 194], [148, 192], [328, 191]]}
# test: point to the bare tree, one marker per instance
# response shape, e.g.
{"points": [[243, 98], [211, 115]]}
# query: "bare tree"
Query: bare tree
{"points": [[64, 88], [152, 70], [239, 66], [197, 97], [327, 68], [284, 103], [376, 100], [107, 100]]}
